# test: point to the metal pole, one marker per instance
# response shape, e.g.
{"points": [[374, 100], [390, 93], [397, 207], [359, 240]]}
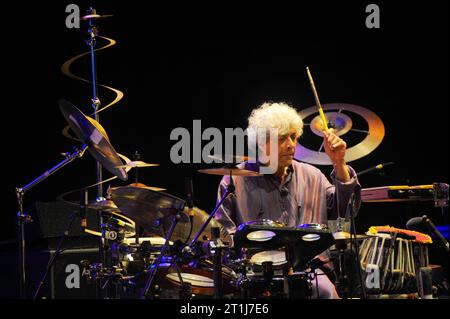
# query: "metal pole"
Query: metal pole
{"points": [[23, 218]]}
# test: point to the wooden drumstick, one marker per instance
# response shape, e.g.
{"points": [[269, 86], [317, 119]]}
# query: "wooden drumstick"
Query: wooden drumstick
{"points": [[316, 97]]}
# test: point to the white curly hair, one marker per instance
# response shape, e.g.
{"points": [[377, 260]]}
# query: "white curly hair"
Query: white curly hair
{"points": [[279, 116]]}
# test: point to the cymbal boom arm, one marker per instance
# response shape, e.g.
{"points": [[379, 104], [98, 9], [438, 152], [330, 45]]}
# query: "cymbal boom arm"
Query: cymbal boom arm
{"points": [[23, 218], [229, 191]]}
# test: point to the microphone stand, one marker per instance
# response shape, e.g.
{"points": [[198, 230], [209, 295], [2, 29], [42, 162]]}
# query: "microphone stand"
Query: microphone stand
{"points": [[430, 226], [23, 218], [354, 243]]}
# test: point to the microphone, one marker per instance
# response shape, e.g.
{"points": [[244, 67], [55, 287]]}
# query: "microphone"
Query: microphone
{"points": [[374, 168], [425, 224]]}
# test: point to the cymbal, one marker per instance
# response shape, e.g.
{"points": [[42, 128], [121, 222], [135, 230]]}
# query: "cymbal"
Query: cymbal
{"points": [[92, 15], [136, 164], [345, 237], [234, 171], [229, 158], [341, 235], [152, 210], [95, 16], [105, 205], [92, 134], [153, 188], [342, 124], [147, 207]]}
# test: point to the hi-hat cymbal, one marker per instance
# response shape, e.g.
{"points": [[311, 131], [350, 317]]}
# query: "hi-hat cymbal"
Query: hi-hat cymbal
{"points": [[94, 136], [105, 205], [342, 123], [234, 171], [147, 207], [153, 188], [136, 164]]}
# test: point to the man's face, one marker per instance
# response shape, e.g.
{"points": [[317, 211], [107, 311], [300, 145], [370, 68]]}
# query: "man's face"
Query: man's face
{"points": [[286, 148]]}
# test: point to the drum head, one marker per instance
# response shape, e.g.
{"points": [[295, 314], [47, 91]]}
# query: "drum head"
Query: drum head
{"points": [[193, 279], [277, 257], [262, 235]]}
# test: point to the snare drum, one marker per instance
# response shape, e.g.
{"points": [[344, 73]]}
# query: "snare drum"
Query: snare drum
{"points": [[201, 278]]}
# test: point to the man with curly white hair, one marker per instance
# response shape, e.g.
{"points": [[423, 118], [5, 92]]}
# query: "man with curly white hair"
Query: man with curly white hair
{"points": [[297, 193]]}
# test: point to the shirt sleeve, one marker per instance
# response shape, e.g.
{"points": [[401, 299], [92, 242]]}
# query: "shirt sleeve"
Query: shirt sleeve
{"points": [[340, 193]]}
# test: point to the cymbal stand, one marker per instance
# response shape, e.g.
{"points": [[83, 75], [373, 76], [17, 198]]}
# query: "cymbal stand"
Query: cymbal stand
{"points": [[230, 190], [354, 243], [342, 279], [23, 218], [137, 157], [95, 103], [154, 267], [216, 244]]}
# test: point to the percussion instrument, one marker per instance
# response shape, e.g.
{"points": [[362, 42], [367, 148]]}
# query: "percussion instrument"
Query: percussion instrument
{"points": [[391, 259]]}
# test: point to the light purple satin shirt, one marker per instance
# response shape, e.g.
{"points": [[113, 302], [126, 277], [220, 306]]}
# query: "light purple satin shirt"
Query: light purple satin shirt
{"points": [[305, 196]]}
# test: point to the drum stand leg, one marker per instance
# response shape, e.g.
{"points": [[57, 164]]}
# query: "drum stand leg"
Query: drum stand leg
{"points": [[217, 262], [185, 288], [354, 243], [154, 268], [342, 279]]}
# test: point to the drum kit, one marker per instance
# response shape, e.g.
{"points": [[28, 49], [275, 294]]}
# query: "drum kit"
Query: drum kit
{"points": [[189, 254]]}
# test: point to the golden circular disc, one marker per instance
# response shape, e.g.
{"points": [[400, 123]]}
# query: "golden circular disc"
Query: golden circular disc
{"points": [[340, 122], [373, 139]]}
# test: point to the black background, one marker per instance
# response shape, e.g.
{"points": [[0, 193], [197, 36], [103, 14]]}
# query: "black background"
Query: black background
{"points": [[176, 63]]}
